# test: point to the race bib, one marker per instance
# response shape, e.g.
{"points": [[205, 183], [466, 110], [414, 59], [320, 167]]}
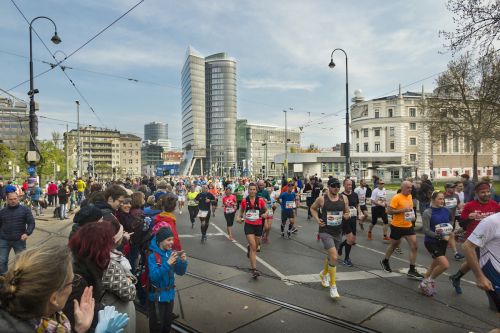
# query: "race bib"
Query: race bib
{"points": [[252, 215], [203, 213], [333, 219], [192, 203], [362, 200], [410, 216], [181, 198], [353, 211], [290, 204], [444, 229], [308, 194], [381, 201], [450, 202], [303, 196], [229, 210], [270, 212]]}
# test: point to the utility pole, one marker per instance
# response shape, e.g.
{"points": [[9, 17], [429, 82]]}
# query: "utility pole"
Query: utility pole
{"points": [[67, 154], [91, 163], [285, 165], [79, 143]]}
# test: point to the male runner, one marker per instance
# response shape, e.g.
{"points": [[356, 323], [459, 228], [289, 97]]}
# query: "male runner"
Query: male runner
{"points": [[349, 225], [287, 201], [452, 201], [379, 203], [361, 192]]}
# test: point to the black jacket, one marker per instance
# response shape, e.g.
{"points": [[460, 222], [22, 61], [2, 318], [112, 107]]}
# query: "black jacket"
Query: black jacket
{"points": [[15, 221], [13, 324], [425, 191]]}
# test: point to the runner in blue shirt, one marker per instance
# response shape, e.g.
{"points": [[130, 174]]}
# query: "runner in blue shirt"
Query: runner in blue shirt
{"points": [[287, 201]]}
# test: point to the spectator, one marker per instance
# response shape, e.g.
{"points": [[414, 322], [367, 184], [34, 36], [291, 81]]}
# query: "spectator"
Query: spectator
{"points": [[468, 188], [52, 194], [424, 193]]}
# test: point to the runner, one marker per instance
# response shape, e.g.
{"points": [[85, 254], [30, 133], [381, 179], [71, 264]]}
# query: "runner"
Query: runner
{"points": [[287, 201], [486, 239], [254, 209], [334, 207], [215, 192], [361, 192], [308, 189], [205, 200], [473, 213], [229, 204], [349, 225], [437, 227], [452, 201], [240, 192], [401, 209], [181, 195], [192, 204], [379, 203], [271, 208], [263, 193]]}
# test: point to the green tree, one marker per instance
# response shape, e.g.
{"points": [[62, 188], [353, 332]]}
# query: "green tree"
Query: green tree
{"points": [[6, 156], [52, 157], [466, 102]]}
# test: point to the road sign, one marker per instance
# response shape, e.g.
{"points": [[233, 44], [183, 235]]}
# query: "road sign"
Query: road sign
{"points": [[31, 169]]}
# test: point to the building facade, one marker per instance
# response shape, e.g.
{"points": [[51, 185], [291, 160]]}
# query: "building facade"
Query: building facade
{"points": [[155, 131], [257, 146], [208, 112], [14, 124]]}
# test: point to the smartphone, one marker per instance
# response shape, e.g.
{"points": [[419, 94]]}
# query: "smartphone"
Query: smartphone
{"points": [[180, 253]]}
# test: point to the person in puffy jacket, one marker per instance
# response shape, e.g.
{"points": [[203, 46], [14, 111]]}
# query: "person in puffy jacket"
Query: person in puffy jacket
{"points": [[163, 263], [167, 219]]}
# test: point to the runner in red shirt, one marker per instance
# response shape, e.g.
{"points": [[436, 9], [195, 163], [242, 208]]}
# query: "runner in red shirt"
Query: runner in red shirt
{"points": [[472, 214], [254, 210], [229, 203]]}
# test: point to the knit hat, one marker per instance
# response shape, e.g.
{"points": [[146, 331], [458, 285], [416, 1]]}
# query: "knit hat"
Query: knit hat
{"points": [[88, 213], [163, 234]]}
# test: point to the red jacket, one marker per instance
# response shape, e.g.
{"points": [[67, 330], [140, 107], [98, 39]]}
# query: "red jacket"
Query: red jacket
{"points": [[167, 219], [52, 189]]}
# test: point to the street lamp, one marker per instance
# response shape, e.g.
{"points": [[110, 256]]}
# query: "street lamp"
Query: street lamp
{"points": [[285, 165], [347, 148], [31, 93]]}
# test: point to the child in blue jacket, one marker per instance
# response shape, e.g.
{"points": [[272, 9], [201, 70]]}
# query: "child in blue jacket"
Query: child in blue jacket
{"points": [[162, 264]]}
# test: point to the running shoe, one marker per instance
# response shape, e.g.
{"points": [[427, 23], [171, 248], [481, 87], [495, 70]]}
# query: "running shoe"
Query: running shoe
{"points": [[425, 287], [459, 256], [432, 286], [386, 238], [456, 284], [203, 238], [289, 235], [347, 262], [370, 235], [294, 230], [325, 279], [255, 273], [398, 250], [334, 292], [414, 275], [283, 235], [180, 212], [385, 265]]}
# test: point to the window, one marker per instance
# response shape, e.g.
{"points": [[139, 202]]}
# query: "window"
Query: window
{"points": [[413, 157], [365, 132], [444, 143], [391, 145], [413, 112], [377, 131], [357, 134], [455, 144], [413, 141], [391, 131], [413, 126], [444, 173], [377, 146], [390, 113], [130, 161], [377, 113], [365, 146], [357, 147]]}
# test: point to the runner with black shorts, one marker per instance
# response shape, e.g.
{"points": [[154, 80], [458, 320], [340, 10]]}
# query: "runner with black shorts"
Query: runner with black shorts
{"points": [[288, 205], [229, 204], [452, 201], [401, 209], [379, 203], [349, 225], [204, 200], [437, 226], [334, 207], [361, 191], [254, 209]]}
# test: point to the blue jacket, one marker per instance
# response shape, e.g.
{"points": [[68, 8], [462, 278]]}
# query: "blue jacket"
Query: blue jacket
{"points": [[163, 276], [15, 221], [36, 194]]}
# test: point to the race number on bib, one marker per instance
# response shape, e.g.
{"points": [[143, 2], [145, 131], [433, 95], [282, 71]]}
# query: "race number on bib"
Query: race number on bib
{"points": [[252, 215], [290, 204], [353, 211], [444, 229], [410, 216], [270, 212], [203, 213], [362, 200], [230, 210], [181, 198], [333, 219], [192, 203], [450, 202]]}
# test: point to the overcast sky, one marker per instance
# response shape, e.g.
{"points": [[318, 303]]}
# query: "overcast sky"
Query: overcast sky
{"points": [[282, 49]]}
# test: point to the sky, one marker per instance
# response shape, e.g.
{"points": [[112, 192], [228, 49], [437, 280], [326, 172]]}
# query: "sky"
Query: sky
{"points": [[130, 74]]}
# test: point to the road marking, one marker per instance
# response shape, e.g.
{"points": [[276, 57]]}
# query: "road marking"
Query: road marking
{"points": [[199, 235], [344, 276], [263, 262]]}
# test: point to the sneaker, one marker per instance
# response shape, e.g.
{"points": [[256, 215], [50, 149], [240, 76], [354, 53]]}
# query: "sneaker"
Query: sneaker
{"points": [[347, 262], [180, 212], [282, 235], [255, 273], [370, 235], [258, 248], [293, 230], [414, 275], [203, 238], [334, 292], [325, 279], [386, 238], [459, 256], [456, 284], [398, 250], [385, 266], [425, 287], [432, 286], [289, 235]]}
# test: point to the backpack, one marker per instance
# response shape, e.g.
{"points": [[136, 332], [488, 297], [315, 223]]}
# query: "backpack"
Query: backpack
{"points": [[143, 270]]}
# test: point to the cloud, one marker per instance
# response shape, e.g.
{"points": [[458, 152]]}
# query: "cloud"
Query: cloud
{"points": [[278, 84]]}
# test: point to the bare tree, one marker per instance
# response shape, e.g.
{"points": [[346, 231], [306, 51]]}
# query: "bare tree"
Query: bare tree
{"points": [[478, 25], [56, 139], [466, 102]]}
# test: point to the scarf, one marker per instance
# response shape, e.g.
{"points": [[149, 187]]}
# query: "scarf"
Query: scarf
{"points": [[58, 323]]}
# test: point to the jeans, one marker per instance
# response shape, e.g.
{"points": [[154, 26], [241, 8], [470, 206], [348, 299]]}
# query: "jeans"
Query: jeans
{"points": [[5, 247], [79, 197], [62, 213]]}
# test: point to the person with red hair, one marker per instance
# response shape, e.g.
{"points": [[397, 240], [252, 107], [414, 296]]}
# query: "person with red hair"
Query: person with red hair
{"points": [[91, 247]]}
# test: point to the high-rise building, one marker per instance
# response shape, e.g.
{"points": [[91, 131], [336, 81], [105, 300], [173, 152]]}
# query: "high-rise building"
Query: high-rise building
{"points": [[208, 113], [14, 124], [155, 131]]}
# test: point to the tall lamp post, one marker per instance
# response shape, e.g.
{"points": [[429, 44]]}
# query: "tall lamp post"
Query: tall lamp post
{"points": [[31, 93], [347, 146], [285, 165]]}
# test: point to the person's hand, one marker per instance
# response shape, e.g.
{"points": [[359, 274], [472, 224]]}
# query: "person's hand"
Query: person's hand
{"points": [[84, 311], [111, 321], [173, 258], [24, 237], [126, 235], [473, 216], [207, 200], [183, 256], [346, 215], [238, 219], [483, 283], [321, 222]]}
